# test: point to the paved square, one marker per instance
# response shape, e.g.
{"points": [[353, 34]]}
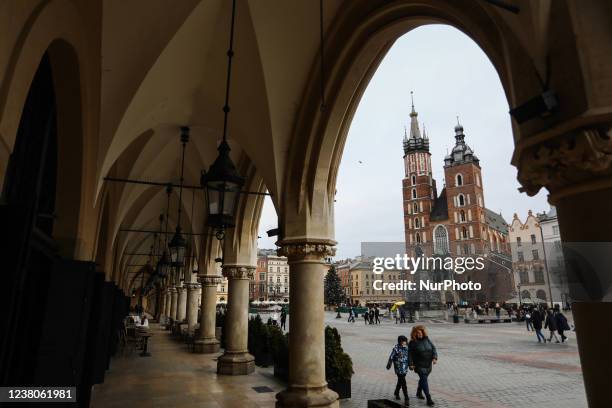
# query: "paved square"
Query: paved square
{"points": [[487, 365]]}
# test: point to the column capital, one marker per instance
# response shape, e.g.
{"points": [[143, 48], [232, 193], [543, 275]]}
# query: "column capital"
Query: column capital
{"points": [[192, 285], [310, 248], [172, 289], [210, 280], [566, 162], [238, 271]]}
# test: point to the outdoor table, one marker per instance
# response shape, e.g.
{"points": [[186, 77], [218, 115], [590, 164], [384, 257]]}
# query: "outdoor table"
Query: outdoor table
{"points": [[145, 335]]}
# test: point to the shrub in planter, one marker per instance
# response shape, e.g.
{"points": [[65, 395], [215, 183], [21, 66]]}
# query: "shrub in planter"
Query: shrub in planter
{"points": [[259, 342], [279, 344], [338, 364]]}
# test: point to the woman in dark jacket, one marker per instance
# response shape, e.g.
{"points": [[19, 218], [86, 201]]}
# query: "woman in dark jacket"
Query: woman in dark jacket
{"points": [[423, 355], [537, 318], [561, 324]]}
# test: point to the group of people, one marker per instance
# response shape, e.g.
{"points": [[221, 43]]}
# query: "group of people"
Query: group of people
{"points": [[418, 355], [553, 320], [370, 316], [139, 320]]}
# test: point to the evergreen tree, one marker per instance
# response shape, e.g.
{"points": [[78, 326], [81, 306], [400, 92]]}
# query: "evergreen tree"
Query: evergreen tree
{"points": [[334, 294]]}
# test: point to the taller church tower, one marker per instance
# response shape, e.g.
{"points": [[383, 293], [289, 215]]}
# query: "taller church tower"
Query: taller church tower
{"points": [[419, 188]]}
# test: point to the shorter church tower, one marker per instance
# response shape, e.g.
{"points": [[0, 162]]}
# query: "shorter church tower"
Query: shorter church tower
{"points": [[465, 198], [419, 188]]}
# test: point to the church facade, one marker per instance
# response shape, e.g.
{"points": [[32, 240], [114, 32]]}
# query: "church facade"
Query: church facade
{"points": [[455, 221]]}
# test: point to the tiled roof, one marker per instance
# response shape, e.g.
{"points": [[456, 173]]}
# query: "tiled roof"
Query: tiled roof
{"points": [[496, 221]]}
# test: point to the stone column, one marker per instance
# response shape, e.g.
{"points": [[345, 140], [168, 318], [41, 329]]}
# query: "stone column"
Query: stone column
{"points": [[181, 312], [206, 342], [236, 360], [173, 303], [576, 168], [168, 303], [307, 386], [193, 290], [162, 310]]}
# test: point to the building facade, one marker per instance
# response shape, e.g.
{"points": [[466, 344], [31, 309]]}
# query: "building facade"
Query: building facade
{"points": [[528, 264], [554, 261], [454, 222]]}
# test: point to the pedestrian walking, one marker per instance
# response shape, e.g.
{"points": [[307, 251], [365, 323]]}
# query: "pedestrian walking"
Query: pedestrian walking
{"points": [[366, 317], [422, 356], [528, 321], [536, 321], [376, 315], [351, 317], [551, 324], [371, 315], [562, 324], [400, 359]]}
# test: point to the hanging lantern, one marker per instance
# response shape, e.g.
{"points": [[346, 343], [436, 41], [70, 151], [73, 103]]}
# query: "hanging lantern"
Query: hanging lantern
{"points": [[222, 185], [164, 265], [178, 246]]}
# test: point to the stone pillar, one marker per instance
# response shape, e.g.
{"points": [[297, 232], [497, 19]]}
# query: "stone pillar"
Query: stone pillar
{"points": [[193, 290], [206, 342], [236, 360], [173, 303], [307, 385], [168, 303], [576, 168], [181, 312]]}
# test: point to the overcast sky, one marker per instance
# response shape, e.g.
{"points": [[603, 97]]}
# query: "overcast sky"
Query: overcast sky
{"points": [[450, 76]]}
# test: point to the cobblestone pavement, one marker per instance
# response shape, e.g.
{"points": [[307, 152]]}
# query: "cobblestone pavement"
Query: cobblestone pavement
{"points": [[480, 365]]}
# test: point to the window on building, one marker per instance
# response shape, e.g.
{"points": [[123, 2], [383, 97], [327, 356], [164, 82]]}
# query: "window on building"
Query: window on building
{"points": [[413, 179], [262, 276], [535, 254], [286, 279], [459, 180], [533, 238], [541, 294], [415, 208], [462, 216], [461, 200], [441, 240], [555, 229], [416, 223], [418, 238], [464, 233], [414, 195], [520, 256], [523, 275], [278, 279], [538, 275], [466, 249], [518, 241]]}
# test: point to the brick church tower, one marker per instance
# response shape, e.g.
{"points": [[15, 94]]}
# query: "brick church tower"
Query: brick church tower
{"points": [[419, 188]]}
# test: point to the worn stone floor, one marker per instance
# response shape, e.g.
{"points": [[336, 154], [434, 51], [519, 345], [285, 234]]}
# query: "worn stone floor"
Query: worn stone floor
{"points": [[175, 377]]}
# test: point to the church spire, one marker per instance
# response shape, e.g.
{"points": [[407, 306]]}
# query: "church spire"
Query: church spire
{"points": [[415, 133]]}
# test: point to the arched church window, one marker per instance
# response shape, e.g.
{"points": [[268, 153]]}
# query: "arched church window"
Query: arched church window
{"points": [[413, 180], [461, 200], [459, 180], [441, 240], [462, 216], [415, 207], [464, 233], [418, 238], [414, 194], [416, 223]]}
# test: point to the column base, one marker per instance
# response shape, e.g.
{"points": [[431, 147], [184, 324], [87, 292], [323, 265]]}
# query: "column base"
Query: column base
{"points": [[235, 364], [304, 397], [206, 346]]}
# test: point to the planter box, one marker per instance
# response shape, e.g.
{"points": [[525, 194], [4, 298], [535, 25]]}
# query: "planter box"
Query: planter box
{"points": [[342, 388], [264, 360], [281, 372], [218, 331]]}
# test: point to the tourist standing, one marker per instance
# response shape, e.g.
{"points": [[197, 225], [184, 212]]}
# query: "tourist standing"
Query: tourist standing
{"points": [[536, 321], [422, 355], [283, 319], [551, 324], [376, 315], [371, 315], [400, 358]]}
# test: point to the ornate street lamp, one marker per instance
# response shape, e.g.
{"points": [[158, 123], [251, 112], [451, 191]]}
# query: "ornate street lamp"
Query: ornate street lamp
{"points": [[222, 183], [178, 244]]}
